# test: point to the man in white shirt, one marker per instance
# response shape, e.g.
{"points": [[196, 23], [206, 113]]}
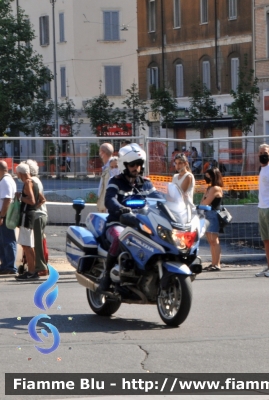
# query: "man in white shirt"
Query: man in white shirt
{"points": [[105, 152], [263, 205], [8, 245]]}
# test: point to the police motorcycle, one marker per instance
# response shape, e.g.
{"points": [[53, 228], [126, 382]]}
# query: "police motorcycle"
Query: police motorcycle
{"points": [[158, 258]]}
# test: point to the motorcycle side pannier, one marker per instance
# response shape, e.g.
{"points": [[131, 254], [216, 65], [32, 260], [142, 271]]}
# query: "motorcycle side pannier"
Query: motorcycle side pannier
{"points": [[79, 242]]}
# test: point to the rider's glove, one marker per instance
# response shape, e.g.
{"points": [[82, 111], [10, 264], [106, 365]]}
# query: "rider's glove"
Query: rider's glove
{"points": [[125, 210]]}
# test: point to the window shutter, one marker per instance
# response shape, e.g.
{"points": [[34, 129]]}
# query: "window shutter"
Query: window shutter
{"points": [[206, 74], [156, 78], [234, 73], [46, 30], [108, 81], [63, 81], [116, 81], [61, 26], [148, 83], [152, 26], [179, 80], [115, 25], [107, 31], [203, 11], [176, 13], [40, 31]]}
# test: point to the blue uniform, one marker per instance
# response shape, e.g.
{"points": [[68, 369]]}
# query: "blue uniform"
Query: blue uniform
{"points": [[119, 188]]}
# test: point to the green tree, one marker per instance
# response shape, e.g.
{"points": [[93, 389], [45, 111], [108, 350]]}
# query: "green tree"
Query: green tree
{"points": [[134, 109], [243, 107], [42, 112], [22, 72], [203, 111], [70, 117], [164, 105], [101, 113]]}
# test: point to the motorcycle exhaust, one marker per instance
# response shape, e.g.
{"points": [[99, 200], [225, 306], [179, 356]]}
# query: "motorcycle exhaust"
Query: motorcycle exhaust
{"points": [[196, 268], [86, 282]]}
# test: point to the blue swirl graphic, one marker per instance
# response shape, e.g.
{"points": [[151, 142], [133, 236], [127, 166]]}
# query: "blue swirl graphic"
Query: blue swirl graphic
{"points": [[44, 287], [32, 331]]}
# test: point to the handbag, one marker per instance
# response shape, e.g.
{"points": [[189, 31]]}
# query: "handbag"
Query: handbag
{"points": [[13, 214], [224, 218]]}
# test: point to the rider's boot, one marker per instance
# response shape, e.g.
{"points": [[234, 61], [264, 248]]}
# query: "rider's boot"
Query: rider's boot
{"points": [[105, 281]]}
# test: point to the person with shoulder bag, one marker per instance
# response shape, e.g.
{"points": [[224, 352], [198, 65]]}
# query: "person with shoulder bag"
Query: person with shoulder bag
{"points": [[8, 245], [213, 197], [31, 199]]}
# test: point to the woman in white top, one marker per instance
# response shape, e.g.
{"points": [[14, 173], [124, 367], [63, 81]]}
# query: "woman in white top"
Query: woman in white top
{"points": [[184, 179]]}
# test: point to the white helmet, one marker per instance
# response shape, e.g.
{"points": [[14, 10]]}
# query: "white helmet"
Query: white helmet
{"points": [[127, 154]]}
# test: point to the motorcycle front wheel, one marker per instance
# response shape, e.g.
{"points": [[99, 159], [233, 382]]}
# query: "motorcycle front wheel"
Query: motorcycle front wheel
{"points": [[174, 302]]}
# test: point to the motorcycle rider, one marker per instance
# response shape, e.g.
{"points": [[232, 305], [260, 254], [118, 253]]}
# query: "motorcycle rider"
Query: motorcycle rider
{"points": [[130, 181]]}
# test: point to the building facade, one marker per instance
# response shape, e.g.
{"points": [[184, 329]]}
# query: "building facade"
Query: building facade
{"points": [[261, 63], [181, 41], [96, 43]]}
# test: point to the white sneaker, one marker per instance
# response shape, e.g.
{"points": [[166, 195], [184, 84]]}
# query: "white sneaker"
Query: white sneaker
{"points": [[265, 272]]}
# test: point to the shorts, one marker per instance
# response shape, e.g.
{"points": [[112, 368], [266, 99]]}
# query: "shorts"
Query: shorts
{"points": [[264, 223], [26, 237], [213, 220]]}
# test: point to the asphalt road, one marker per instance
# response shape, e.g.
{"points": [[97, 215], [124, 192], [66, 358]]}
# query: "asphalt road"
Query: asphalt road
{"points": [[227, 330]]}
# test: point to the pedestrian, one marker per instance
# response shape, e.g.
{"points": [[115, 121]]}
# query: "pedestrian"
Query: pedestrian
{"points": [[113, 167], [8, 245], [40, 222], [263, 205], [31, 199], [213, 197], [68, 163], [105, 152], [130, 181], [184, 179]]}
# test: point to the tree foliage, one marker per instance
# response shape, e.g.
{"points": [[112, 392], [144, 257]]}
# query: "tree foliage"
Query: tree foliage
{"points": [[243, 107], [42, 111], [70, 116], [134, 109], [101, 113], [203, 109], [164, 104], [22, 72]]}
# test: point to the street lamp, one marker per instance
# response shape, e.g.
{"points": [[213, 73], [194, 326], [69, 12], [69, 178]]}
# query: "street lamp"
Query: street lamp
{"points": [[55, 91]]}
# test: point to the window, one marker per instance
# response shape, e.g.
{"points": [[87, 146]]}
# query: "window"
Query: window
{"points": [[232, 9], [44, 30], [204, 12], [179, 81], [152, 79], [177, 16], [46, 88], [111, 25], [113, 80], [63, 81], [61, 27], [234, 73], [206, 74], [152, 17], [267, 38]]}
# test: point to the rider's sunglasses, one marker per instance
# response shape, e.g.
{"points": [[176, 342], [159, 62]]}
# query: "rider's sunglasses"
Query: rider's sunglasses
{"points": [[137, 163]]}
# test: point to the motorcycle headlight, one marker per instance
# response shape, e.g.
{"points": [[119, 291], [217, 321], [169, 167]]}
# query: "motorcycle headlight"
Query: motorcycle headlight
{"points": [[165, 234], [184, 240]]}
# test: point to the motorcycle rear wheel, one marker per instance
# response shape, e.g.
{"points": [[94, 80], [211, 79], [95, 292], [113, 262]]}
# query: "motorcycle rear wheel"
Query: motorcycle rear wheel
{"points": [[101, 305], [98, 302], [174, 302]]}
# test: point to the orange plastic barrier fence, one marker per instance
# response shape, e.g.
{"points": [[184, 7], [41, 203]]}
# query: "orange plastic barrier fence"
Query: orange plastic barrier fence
{"points": [[230, 183]]}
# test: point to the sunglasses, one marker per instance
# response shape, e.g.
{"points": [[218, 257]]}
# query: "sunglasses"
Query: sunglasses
{"points": [[138, 163]]}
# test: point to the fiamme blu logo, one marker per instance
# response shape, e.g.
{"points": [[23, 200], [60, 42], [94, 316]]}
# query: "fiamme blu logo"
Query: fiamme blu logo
{"points": [[44, 298]]}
